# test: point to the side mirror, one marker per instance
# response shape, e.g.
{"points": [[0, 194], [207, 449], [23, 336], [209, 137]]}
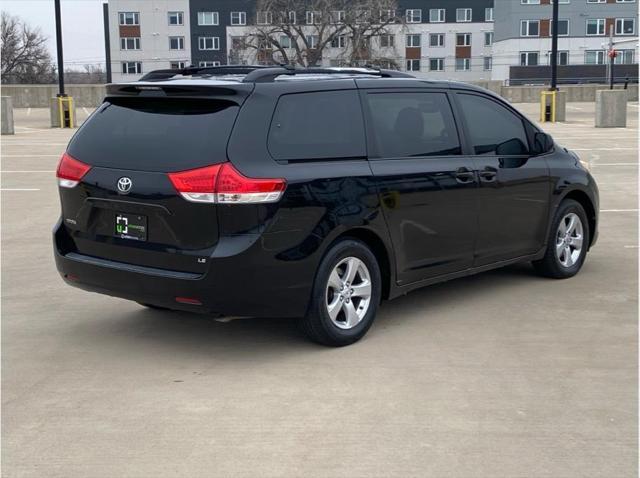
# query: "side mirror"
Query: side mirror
{"points": [[542, 143]]}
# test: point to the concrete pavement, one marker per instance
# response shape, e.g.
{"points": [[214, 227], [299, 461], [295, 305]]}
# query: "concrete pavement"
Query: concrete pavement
{"points": [[504, 374]]}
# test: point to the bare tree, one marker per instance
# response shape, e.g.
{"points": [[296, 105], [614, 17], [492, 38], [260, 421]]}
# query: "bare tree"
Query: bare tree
{"points": [[24, 54], [298, 32]]}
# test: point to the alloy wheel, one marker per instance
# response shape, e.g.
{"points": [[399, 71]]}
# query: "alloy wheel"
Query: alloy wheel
{"points": [[348, 293], [569, 240]]}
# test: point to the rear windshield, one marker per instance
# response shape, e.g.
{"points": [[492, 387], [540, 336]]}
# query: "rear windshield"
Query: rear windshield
{"points": [[164, 134]]}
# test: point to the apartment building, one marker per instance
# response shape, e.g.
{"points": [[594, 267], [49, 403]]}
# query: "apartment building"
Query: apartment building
{"points": [[452, 39], [148, 35], [437, 38], [523, 30]]}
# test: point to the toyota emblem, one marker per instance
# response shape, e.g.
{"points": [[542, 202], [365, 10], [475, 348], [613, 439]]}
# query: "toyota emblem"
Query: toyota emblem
{"points": [[124, 185]]}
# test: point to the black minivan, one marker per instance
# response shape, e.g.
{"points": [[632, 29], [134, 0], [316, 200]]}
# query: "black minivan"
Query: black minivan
{"points": [[310, 193]]}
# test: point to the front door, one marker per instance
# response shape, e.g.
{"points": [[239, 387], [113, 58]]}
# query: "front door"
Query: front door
{"points": [[513, 198], [427, 186]]}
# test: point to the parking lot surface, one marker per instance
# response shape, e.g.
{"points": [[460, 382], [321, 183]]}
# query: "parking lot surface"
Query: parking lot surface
{"points": [[500, 374]]}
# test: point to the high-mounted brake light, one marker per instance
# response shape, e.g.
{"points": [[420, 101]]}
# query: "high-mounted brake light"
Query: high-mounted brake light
{"points": [[70, 171], [224, 184]]}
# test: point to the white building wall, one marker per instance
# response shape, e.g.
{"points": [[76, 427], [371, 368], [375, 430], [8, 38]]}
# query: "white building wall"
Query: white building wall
{"points": [[155, 31], [397, 53]]}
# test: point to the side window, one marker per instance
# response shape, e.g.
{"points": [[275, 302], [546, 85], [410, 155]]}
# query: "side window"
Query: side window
{"points": [[413, 124], [493, 129], [319, 125]]}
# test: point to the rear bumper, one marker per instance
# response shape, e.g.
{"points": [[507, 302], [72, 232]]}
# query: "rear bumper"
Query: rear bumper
{"points": [[252, 283]]}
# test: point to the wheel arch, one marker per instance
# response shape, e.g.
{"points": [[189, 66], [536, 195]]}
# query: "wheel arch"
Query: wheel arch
{"points": [[586, 202], [372, 240]]}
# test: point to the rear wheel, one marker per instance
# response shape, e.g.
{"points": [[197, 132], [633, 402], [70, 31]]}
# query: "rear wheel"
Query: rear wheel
{"points": [[345, 295], [567, 243]]}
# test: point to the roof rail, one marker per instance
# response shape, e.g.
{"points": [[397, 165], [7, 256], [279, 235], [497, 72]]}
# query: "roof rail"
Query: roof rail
{"points": [[194, 70], [268, 75]]}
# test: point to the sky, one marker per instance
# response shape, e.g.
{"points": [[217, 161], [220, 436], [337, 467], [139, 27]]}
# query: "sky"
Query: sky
{"points": [[82, 27]]}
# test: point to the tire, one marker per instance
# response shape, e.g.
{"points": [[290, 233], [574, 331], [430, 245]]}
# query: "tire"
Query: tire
{"points": [[355, 310], [561, 259]]}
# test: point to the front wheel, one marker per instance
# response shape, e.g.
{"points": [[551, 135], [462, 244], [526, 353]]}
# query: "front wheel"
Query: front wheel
{"points": [[567, 243], [345, 296]]}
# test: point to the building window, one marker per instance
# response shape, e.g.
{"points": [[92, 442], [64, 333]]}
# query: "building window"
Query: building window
{"points": [[335, 16], [387, 16], [437, 15], [563, 28], [596, 1], [238, 18], [413, 65], [463, 14], [176, 43], [530, 2], [625, 26], [413, 40], [129, 18], [312, 41], [292, 18], [463, 39], [530, 28], [339, 41], [488, 38], [313, 18], [463, 64], [436, 40], [595, 57], [130, 43], [131, 67], [387, 41], [285, 41], [414, 16], [176, 18], [264, 18], [626, 57], [595, 26], [488, 14], [436, 64], [208, 43], [208, 18], [488, 63], [177, 65], [563, 57], [529, 58], [208, 64]]}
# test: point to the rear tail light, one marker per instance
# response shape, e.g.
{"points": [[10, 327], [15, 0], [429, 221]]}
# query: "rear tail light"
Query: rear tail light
{"points": [[224, 184], [70, 171]]}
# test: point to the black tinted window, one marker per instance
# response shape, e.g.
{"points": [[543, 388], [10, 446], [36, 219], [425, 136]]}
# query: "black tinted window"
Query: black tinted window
{"points": [[155, 134], [320, 125], [493, 129], [413, 124]]}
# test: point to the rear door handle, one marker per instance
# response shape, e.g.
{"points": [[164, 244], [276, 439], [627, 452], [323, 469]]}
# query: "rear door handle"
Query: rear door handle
{"points": [[488, 174], [464, 175]]}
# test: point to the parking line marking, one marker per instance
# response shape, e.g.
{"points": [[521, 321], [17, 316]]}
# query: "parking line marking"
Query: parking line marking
{"points": [[17, 189], [631, 247], [596, 165], [30, 155], [29, 171], [604, 149], [618, 210], [28, 111], [85, 110]]}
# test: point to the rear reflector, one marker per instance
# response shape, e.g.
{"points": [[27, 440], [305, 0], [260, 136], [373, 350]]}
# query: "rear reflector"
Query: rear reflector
{"points": [[70, 171], [188, 300], [224, 184]]}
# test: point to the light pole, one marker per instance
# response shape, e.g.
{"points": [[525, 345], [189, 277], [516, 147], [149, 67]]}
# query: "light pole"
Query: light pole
{"points": [[554, 46], [59, 47]]}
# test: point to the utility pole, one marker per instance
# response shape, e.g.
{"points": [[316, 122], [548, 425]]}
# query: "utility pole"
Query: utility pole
{"points": [[554, 46], [59, 46]]}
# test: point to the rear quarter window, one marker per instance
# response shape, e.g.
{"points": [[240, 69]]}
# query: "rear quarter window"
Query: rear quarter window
{"points": [[316, 126]]}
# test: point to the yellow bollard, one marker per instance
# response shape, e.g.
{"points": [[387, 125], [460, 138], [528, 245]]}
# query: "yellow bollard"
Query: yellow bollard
{"points": [[543, 106], [69, 101]]}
